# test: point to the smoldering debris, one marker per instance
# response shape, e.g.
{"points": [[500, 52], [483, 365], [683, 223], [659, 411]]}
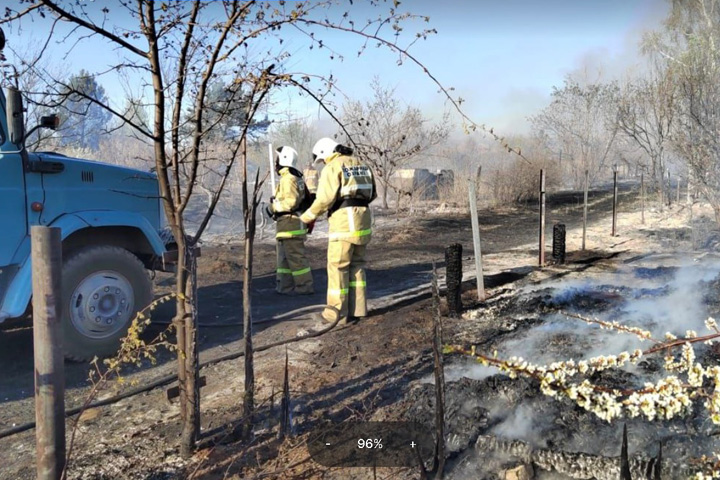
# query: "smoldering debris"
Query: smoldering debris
{"points": [[556, 435], [487, 411]]}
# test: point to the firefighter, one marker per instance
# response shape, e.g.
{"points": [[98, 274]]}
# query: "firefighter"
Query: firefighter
{"points": [[293, 269], [345, 190], [310, 175]]}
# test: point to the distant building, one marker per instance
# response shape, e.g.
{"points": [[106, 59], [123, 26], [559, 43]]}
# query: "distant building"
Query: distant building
{"points": [[422, 183]]}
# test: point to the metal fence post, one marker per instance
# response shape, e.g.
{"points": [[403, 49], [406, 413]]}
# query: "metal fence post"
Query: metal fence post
{"points": [[585, 207], [541, 256], [46, 249], [614, 205]]}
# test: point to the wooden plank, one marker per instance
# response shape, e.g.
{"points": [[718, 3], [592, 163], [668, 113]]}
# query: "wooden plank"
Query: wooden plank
{"points": [[476, 244]]}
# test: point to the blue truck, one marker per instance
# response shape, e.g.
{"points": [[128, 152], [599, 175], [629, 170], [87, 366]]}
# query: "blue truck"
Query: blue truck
{"points": [[111, 219]]}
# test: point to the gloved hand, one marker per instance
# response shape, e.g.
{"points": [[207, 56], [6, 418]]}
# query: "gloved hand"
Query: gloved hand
{"points": [[269, 212], [310, 227]]}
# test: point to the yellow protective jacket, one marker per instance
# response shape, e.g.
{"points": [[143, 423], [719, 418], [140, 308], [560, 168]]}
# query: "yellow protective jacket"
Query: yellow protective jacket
{"points": [[344, 177], [311, 179], [289, 193]]}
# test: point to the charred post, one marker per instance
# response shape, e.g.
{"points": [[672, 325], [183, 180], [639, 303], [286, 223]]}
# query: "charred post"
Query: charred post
{"points": [[624, 458], [439, 371], [49, 374], [453, 267], [558, 249], [657, 466], [284, 430]]}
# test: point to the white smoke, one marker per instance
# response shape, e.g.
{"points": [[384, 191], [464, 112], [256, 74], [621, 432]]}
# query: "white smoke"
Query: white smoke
{"points": [[655, 304]]}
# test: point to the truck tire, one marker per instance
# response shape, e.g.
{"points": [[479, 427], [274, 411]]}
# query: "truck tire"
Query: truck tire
{"points": [[103, 288]]}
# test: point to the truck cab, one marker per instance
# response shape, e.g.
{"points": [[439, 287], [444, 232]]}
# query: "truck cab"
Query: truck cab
{"points": [[110, 219]]}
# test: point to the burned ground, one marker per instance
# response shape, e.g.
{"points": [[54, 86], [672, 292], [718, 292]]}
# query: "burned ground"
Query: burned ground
{"points": [[380, 368]]}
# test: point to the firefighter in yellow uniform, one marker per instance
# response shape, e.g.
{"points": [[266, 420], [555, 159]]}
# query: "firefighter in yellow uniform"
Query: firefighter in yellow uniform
{"points": [[310, 175], [293, 269], [345, 190]]}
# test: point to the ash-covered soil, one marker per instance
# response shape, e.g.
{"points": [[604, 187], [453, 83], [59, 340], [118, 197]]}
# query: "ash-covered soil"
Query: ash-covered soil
{"points": [[485, 411], [376, 370]]}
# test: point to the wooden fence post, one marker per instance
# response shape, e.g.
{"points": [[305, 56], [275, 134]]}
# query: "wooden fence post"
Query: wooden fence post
{"points": [[476, 244], [46, 248], [541, 255], [642, 198], [585, 207], [614, 205]]}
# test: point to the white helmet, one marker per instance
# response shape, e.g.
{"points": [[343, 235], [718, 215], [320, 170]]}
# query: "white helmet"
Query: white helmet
{"points": [[323, 149], [287, 157]]}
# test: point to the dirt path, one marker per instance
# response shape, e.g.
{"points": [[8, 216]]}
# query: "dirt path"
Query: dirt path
{"points": [[354, 370]]}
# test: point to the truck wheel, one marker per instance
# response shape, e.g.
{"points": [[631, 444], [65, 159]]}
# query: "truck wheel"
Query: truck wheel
{"points": [[103, 288]]}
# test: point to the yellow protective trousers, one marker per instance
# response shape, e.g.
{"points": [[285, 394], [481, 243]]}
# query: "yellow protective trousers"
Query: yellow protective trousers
{"points": [[293, 268], [346, 280]]}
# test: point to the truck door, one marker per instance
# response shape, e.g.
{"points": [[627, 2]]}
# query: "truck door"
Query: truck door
{"points": [[13, 218]]}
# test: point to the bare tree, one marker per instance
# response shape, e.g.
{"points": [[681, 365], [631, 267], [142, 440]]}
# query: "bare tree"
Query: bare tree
{"points": [[688, 46], [388, 135], [580, 126], [299, 133], [175, 50], [24, 70], [646, 115]]}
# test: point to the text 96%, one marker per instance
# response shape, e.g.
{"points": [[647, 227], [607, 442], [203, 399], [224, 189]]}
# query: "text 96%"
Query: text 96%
{"points": [[370, 443]]}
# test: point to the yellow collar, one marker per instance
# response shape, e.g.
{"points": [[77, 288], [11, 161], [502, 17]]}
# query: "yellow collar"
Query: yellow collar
{"points": [[331, 157]]}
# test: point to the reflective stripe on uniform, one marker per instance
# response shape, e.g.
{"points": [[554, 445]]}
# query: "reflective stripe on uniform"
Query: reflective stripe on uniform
{"points": [[359, 233], [352, 189], [293, 233], [301, 272], [341, 291], [351, 219], [283, 270], [358, 284]]}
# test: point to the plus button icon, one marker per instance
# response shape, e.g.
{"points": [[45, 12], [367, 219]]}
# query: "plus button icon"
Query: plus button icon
{"points": [[412, 444]]}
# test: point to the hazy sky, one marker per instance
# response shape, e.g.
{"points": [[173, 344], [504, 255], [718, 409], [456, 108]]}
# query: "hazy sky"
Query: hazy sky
{"points": [[502, 57]]}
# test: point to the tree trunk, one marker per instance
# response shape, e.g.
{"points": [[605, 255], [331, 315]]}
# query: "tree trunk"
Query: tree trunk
{"points": [[385, 183], [179, 321], [249, 395], [191, 423], [249, 207]]}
